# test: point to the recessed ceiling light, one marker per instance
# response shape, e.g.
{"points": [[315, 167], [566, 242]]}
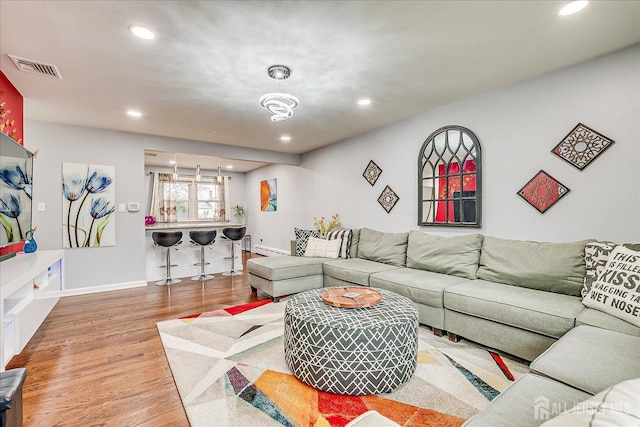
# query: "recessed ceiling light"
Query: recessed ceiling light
{"points": [[142, 32], [364, 101], [229, 166], [573, 7], [212, 132], [285, 138], [172, 162], [134, 113]]}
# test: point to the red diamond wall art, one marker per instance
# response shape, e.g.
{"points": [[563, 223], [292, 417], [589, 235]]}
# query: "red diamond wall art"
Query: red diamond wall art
{"points": [[543, 191]]}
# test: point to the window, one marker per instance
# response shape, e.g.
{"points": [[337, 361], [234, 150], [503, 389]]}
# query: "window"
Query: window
{"points": [[449, 179], [204, 200]]}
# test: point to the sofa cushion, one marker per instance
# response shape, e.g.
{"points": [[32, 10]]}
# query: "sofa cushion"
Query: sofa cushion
{"points": [[422, 287], [355, 242], [616, 406], [590, 359], [284, 267], [602, 320], [323, 248], [388, 248], [302, 237], [354, 270], [616, 291], [537, 311], [552, 267], [457, 256], [527, 403]]}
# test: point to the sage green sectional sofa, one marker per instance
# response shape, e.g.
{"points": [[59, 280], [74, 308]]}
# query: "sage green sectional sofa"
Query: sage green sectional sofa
{"points": [[516, 296], [520, 297]]}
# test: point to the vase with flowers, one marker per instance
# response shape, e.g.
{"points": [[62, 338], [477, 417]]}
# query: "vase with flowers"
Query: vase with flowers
{"points": [[323, 226]]}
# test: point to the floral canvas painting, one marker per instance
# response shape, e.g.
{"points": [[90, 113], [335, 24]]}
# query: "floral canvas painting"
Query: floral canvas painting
{"points": [[15, 199], [88, 203], [268, 195]]}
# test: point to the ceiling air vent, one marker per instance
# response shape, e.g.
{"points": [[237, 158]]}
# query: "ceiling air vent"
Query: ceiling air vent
{"points": [[34, 67]]}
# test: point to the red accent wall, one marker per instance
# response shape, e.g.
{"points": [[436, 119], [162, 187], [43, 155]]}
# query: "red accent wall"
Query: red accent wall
{"points": [[11, 123]]}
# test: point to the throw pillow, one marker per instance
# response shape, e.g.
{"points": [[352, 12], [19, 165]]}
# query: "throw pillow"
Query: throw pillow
{"points": [[345, 236], [323, 248], [596, 255], [617, 290], [615, 406], [302, 237]]}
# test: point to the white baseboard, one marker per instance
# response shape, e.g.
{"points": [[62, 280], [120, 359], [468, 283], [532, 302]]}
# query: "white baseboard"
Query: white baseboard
{"points": [[268, 251], [103, 288]]}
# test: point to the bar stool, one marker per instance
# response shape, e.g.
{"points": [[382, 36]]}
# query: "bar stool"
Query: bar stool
{"points": [[233, 234], [167, 239], [202, 238]]}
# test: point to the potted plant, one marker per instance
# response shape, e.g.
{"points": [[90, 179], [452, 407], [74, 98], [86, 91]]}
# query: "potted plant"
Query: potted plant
{"points": [[238, 212]]}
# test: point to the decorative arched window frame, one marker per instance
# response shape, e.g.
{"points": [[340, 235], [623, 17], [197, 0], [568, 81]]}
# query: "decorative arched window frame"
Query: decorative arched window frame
{"points": [[450, 195]]}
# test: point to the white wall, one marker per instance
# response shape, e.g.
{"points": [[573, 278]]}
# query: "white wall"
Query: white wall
{"points": [[517, 127], [122, 264]]}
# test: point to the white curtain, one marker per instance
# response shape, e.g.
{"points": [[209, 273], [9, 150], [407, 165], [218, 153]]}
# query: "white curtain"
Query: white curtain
{"points": [[161, 208]]}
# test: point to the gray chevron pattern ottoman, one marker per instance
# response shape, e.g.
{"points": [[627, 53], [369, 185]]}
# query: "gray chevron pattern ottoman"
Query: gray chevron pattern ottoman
{"points": [[354, 351]]}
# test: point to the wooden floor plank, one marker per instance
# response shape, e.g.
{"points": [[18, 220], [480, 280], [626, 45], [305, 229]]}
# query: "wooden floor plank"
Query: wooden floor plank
{"points": [[97, 360]]}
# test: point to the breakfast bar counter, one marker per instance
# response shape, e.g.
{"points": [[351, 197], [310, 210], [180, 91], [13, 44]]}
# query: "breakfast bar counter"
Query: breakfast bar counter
{"points": [[187, 256]]}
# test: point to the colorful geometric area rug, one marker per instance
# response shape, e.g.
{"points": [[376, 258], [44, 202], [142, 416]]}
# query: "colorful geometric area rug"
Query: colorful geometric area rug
{"points": [[229, 368]]}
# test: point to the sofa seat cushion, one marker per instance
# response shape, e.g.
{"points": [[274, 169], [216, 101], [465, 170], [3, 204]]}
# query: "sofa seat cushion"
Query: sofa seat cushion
{"points": [[284, 267], [599, 319], [422, 287], [537, 311], [527, 403], [590, 359], [354, 270]]}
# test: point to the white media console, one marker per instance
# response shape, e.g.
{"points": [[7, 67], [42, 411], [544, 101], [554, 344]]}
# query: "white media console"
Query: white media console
{"points": [[30, 286]]}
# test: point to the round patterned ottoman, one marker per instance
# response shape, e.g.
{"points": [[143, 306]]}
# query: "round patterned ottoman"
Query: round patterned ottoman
{"points": [[352, 351]]}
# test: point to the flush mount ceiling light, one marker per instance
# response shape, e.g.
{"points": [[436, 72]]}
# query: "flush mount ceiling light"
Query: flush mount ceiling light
{"points": [[133, 113], [364, 101], [285, 138], [573, 7], [142, 32], [280, 105]]}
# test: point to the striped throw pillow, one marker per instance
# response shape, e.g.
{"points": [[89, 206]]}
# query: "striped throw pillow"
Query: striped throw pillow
{"points": [[346, 236]]}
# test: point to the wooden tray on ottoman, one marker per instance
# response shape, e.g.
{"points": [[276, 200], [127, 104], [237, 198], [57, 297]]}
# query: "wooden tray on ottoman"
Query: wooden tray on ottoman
{"points": [[352, 297]]}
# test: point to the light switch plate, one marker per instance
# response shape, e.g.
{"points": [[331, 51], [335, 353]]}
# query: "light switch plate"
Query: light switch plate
{"points": [[41, 207], [134, 207], [122, 207]]}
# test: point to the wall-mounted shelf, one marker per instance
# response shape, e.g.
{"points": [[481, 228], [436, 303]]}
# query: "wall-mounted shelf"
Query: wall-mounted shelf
{"points": [[30, 286]]}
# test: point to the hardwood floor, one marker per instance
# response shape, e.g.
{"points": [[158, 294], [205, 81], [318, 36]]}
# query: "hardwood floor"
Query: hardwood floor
{"points": [[97, 360]]}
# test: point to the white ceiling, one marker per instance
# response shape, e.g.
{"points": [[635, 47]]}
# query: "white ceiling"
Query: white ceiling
{"points": [[207, 69]]}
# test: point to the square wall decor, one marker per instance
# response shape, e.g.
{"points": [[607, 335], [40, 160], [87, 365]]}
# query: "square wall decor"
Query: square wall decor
{"points": [[543, 191], [388, 199], [372, 173], [581, 146]]}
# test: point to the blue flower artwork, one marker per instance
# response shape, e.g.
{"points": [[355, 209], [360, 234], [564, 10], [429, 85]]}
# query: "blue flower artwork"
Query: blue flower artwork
{"points": [[15, 199], [88, 200]]}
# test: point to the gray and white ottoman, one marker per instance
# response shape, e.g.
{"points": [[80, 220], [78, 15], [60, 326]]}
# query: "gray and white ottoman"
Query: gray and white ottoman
{"points": [[354, 351]]}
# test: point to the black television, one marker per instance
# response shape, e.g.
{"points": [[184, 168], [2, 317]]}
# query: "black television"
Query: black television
{"points": [[16, 192]]}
